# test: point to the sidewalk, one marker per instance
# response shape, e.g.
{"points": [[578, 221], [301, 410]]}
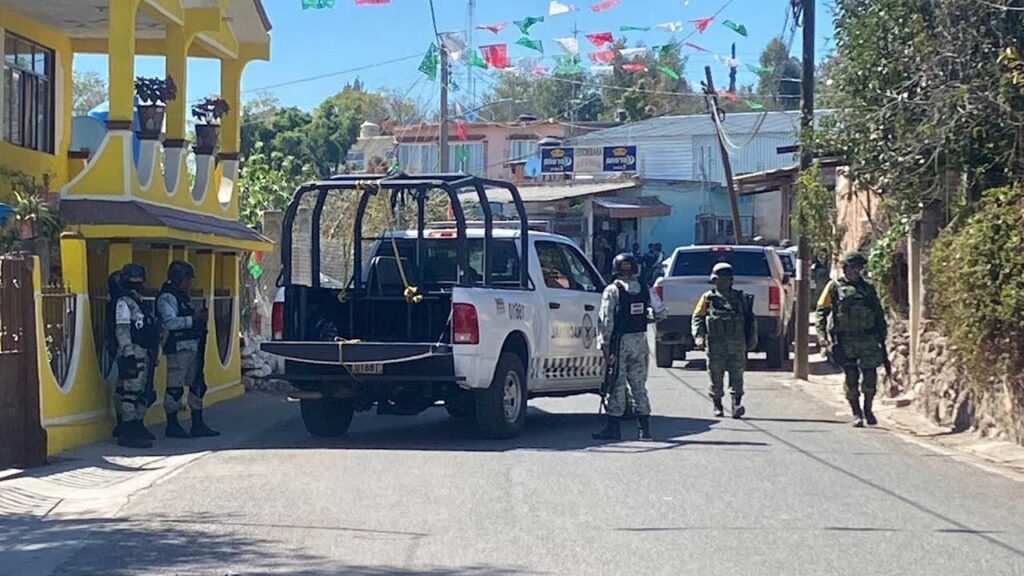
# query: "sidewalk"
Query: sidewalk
{"points": [[901, 417]]}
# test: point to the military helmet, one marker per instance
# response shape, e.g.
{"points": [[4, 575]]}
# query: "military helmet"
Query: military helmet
{"points": [[720, 269], [179, 271], [133, 274], [854, 258], [621, 259]]}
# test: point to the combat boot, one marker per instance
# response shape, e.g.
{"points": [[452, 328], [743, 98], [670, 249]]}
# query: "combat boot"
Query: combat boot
{"points": [[737, 407], [869, 416], [131, 435], [174, 429], [199, 427], [858, 416], [611, 430], [117, 427], [719, 409], [645, 428]]}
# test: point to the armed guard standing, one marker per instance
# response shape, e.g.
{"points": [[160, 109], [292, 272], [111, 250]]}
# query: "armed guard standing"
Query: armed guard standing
{"points": [[186, 328], [137, 334], [626, 309], [854, 341], [724, 325]]}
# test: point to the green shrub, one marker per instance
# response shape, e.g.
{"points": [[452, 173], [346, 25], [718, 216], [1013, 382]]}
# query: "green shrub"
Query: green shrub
{"points": [[975, 276]]}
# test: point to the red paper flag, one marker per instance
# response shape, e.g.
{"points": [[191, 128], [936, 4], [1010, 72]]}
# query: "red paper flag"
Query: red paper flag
{"points": [[496, 55], [634, 67], [701, 24], [696, 47], [602, 57], [600, 38], [607, 4], [728, 95], [460, 128], [495, 28], [541, 70], [361, 2]]}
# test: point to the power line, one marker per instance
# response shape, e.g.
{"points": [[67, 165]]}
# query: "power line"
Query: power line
{"points": [[331, 74]]}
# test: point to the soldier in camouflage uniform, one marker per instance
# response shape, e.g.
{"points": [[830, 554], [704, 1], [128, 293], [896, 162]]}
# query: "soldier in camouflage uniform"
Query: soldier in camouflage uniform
{"points": [[857, 332], [626, 309], [137, 333], [724, 325]]}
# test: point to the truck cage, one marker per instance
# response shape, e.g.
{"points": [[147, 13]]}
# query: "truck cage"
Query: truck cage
{"points": [[418, 186]]}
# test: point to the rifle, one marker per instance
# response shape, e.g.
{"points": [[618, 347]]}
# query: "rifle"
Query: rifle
{"points": [[611, 368], [198, 386], [886, 363]]}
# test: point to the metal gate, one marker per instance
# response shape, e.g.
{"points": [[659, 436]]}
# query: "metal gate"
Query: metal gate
{"points": [[22, 438]]}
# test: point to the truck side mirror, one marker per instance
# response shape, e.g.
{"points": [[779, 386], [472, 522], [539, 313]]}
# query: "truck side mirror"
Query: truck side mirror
{"points": [[786, 278]]}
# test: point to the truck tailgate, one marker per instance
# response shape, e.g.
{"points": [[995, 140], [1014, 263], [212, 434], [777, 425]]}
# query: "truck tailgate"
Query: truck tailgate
{"points": [[682, 292], [343, 353]]}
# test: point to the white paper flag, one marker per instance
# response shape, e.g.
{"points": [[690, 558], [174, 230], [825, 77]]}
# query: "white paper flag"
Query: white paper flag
{"points": [[634, 52], [556, 8], [454, 43], [570, 45], [602, 69], [676, 26]]}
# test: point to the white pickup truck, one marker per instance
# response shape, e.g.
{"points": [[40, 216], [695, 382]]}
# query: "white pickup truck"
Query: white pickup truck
{"points": [[498, 316], [758, 271]]}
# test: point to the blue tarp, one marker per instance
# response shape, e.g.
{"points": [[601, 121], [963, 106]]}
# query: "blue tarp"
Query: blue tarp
{"points": [[102, 112], [5, 211]]}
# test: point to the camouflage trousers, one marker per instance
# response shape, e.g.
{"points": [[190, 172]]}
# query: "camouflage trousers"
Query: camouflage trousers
{"points": [[860, 358], [132, 394], [633, 357], [732, 360], [181, 373]]}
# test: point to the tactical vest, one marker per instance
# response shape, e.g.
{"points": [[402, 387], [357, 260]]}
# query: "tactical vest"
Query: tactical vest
{"points": [[145, 329], [631, 317], [854, 306], [185, 310], [726, 316]]}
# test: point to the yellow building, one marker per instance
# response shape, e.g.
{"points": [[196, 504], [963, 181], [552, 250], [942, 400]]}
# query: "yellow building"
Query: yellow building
{"points": [[150, 201]]}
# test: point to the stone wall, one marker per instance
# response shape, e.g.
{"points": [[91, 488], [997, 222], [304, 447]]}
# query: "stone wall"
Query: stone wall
{"points": [[945, 393]]}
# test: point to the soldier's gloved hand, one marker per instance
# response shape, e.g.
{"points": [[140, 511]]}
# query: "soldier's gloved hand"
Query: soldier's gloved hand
{"points": [[203, 316], [699, 343], [823, 342]]}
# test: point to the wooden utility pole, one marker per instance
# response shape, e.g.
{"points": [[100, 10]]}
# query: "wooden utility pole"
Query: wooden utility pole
{"points": [[803, 284], [734, 203], [443, 119]]}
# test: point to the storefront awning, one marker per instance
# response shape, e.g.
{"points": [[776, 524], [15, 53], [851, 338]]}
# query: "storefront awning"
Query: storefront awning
{"points": [[635, 207], [132, 219]]}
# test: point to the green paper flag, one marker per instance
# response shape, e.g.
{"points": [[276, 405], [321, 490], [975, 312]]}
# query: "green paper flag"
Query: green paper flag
{"points": [[754, 105], [527, 22], [666, 51], [531, 44], [737, 28], [476, 61], [255, 269], [316, 4], [669, 72], [431, 62], [759, 70], [568, 64], [464, 157], [634, 28]]}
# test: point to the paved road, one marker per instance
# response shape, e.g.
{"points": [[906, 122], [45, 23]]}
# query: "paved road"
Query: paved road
{"points": [[790, 490]]}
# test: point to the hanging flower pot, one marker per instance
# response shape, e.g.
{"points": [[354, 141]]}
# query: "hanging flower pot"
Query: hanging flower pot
{"points": [[26, 229], [209, 112], [156, 92]]}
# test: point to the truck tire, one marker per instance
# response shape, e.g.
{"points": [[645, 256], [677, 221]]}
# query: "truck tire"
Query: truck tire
{"points": [[501, 408], [327, 417], [461, 407], [663, 355], [776, 352]]}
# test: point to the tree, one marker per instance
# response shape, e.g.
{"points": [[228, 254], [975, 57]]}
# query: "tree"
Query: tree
{"points": [[88, 91], [782, 83], [645, 94]]}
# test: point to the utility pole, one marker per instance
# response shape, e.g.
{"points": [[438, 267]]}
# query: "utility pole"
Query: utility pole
{"points": [[803, 284], [734, 203], [470, 26], [443, 119]]}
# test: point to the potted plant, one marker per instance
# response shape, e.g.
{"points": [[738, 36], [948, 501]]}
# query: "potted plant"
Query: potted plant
{"points": [[155, 93], [208, 113], [33, 216]]}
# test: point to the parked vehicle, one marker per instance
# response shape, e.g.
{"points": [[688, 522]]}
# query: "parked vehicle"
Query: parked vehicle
{"points": [[474, 317], [758, 271]]}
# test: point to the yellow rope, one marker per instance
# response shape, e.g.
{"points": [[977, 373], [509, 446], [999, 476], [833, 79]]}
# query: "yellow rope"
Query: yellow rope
{"points": [[411, 293]]}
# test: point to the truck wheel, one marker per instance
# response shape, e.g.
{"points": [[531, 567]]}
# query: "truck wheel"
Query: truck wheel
{"points": [[501, 408], [663, 355], [461, 407], [776, 352], [327, 417]]}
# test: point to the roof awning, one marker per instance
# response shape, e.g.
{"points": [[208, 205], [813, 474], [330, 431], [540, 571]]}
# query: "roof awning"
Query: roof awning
{"points": [[635, 207], [132, 219]]}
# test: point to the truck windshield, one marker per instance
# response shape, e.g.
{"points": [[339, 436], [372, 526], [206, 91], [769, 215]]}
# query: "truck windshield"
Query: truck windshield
{"points": [[700, 263], [439, 259]]}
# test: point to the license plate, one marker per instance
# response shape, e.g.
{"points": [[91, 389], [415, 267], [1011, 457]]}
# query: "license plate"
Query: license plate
{"points": [[372, 369]]}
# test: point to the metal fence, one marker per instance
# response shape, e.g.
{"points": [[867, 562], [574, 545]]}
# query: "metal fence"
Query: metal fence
{"points": [[59, 314]]}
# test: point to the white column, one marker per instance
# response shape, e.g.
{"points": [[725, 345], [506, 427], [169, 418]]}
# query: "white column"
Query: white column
{"points": [[3, 34], [914, 297]]}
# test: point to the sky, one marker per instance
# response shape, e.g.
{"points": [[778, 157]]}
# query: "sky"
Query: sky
{"points": [[317, 51]]}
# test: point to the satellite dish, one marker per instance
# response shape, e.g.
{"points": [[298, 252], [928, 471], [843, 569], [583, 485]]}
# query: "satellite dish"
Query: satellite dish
{"points": [[532, 168]]}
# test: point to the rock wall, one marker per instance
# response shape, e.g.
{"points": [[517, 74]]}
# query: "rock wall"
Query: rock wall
{"points": [[945, 393], [257, 367]]}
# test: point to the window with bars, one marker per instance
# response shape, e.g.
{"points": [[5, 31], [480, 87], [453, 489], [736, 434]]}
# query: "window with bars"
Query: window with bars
{"points": [[28, 112], [422, 158], [521, 149]]}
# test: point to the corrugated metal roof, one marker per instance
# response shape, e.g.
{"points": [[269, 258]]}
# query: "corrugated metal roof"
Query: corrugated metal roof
{"points": [[550, 193], [695, 125]]}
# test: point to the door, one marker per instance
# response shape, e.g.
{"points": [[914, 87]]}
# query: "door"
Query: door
{"points": [[573, 296]]}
